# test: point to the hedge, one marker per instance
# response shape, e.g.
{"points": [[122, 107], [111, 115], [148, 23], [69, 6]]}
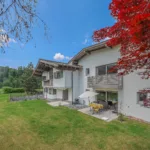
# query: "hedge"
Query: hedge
{"points": [[7, 90]]}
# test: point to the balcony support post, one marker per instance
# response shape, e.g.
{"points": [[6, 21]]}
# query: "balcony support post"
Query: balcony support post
{"points": [[106, 96]]}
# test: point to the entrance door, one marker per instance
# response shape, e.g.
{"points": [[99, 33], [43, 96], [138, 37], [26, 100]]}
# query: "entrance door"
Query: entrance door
{"points": [[65, 94]]}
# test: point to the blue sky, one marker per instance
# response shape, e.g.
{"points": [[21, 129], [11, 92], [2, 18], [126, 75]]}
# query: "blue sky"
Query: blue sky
{"points": [[71, 24]]}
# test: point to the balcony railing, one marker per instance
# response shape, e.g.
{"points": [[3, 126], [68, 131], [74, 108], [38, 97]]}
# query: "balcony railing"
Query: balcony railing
{"points": [[110, 81], [48, 83]]}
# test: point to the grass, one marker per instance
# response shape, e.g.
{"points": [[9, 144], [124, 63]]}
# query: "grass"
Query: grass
{"points": [[34, 125], [1, 91]]}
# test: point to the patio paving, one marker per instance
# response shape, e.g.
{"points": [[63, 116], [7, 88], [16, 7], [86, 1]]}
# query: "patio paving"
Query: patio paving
{"points": [[58, 103], [106, 115]]}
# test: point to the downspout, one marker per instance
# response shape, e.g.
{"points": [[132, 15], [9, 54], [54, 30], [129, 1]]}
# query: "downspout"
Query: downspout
{"points": [[72, 85]]}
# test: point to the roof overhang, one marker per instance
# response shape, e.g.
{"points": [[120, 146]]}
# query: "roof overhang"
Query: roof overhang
{"points": [[89, 50], [47, 65]]}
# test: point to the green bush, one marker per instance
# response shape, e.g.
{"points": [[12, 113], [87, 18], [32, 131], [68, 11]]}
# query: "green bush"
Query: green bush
{"points": [[18, 90], [7, 90], [121, 117]]}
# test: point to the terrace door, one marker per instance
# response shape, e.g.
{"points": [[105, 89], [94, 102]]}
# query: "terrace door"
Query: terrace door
{"points": [[65, 94]]}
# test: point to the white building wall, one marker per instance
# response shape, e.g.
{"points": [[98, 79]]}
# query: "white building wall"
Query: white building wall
{"points": [[46, 73], [62, 82], [70, 95], [59, 94], [75, 84], [49, 96], [132, 83], [68, 78], [58, 82], [97, 58]]}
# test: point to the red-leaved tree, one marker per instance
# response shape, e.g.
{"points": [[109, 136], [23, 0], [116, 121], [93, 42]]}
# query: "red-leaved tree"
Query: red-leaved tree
{"points": [[132, 32]]}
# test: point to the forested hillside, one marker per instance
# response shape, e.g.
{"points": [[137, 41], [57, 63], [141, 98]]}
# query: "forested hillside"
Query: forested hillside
{"points": [[18, 78]]}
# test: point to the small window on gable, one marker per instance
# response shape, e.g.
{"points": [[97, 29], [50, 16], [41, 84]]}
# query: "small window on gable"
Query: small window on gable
{"points": [[87, 71]]}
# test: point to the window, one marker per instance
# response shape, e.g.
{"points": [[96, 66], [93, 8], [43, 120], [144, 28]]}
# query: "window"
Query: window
{"points": [[109, 69], [50, 91], [51, 76], [111, 96], [46, 90], [87, 71], [58, 74], [54, 91], [144, 99], [101, 70], [43, 78], [101, 96], [106, 69]]}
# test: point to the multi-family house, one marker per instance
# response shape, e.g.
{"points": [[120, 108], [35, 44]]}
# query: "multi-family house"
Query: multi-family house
{"points": [[89, 70]]}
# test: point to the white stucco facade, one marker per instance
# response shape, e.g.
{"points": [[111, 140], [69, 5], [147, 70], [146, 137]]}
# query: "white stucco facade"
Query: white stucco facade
{"points": [[132, 84], [97, 58], [75, 82]]}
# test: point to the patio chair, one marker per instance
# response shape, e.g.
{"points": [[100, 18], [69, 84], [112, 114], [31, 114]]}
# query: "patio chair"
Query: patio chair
{"points": [[76, 101], [96, 107]]}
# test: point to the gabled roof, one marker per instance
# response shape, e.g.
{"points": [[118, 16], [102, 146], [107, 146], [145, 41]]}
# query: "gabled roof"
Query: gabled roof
{"points": [[46, 65], [88, 50]]}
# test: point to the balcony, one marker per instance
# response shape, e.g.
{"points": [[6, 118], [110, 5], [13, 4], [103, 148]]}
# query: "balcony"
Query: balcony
{"points": [[48, 83], [110, 81]]}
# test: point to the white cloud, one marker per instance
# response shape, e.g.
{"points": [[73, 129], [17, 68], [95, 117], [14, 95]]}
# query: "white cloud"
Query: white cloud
{"points": [[59, 56], [85, 41], [68, 58]]}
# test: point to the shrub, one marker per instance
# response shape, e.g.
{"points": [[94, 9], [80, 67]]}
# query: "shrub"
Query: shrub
{"points": [[7, 90], [18, 90], [121, 117]]}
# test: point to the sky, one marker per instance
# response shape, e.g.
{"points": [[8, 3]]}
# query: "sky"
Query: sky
{"points": [[71, 24]]}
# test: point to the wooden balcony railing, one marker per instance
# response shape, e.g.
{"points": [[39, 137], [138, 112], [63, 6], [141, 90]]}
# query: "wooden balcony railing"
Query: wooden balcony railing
{"points": [[110, 81]]}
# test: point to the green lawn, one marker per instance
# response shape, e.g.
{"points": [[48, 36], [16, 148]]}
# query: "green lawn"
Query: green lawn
{"points": [[34, 125], [1, 91]]}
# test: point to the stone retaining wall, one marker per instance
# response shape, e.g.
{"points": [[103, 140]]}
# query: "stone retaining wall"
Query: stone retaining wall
{"points": [[27, 97]]}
